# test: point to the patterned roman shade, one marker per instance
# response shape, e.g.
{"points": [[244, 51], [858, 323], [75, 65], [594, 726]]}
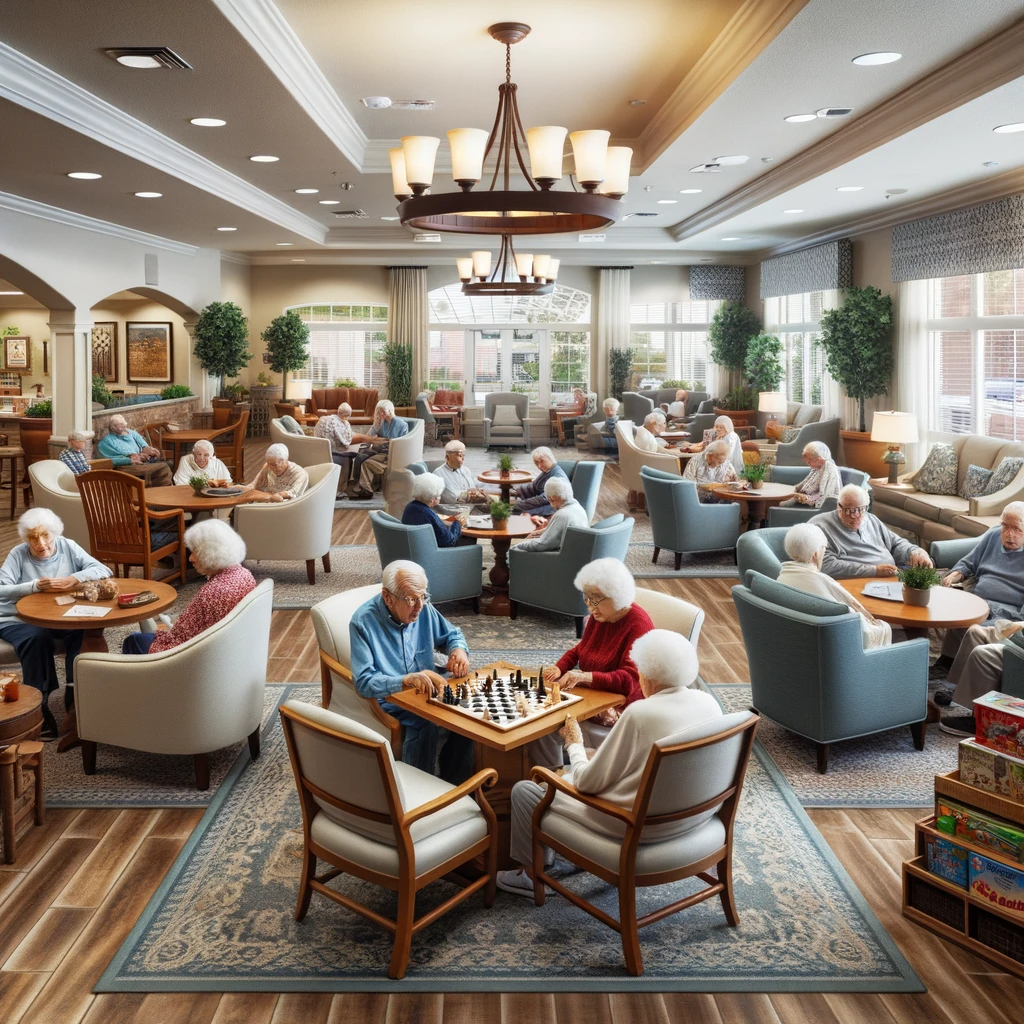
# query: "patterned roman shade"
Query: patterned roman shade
{"points": [[718, 283], [974, 240], [816, 269]]}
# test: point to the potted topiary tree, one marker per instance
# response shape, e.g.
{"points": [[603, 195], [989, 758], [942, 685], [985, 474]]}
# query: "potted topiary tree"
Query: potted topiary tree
{"points": [[221, 334], [398, 368], [857, 341], [287, 340], [730, 331], [620, 371]]}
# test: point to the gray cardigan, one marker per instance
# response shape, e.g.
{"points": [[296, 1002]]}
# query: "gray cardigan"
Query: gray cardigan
{"points": [[856, 554], [572, 513]]}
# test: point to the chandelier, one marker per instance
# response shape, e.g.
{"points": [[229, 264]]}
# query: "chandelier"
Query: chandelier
{"points": [[602, 171], [512, 274]]}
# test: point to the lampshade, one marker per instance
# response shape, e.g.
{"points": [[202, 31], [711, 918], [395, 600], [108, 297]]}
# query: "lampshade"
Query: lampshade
{"points": [[419, 158], [524, 264], [467, 145], [616, 177], [590, 151], [552, 274], [465, 267], [546, 144], [771, 401], [541, 266], [894, 428], [300, 389], [481, 262], [399, 182]]}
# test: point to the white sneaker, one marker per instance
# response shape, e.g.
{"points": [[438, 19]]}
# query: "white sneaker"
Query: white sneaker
{"points": [[518, 882]]}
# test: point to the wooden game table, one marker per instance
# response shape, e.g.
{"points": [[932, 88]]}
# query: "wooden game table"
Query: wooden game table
{"points": [[516, 527], [505, 749], [757, 501], [506, 482]]}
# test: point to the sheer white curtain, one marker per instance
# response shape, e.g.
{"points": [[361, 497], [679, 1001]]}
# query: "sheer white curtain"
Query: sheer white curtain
{"points": [[833, 401], [612, 323], [910, 389], [408, 315]]}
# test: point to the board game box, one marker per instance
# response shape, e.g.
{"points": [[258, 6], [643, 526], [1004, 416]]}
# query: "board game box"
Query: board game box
{"points": [[988, 769], [998, 884], [946, 859], [999, 722], [956, 819]]}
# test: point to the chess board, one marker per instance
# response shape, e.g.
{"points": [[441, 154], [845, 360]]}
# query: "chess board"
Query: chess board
{"points": [[507, 705]]}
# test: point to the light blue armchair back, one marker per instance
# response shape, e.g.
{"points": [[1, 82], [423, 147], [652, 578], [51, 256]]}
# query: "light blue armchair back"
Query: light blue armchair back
{"points": [[946, 553], [453, 574], [423, 409], [585, 477], [679, 522], [762, 551]]}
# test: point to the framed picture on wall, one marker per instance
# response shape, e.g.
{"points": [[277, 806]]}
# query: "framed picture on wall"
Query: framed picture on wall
{"points": [[17, 353], [150, 352], [104, 350]]}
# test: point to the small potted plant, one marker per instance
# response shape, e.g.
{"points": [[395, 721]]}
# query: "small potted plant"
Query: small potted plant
{"points": [[505, 466], [753, 473], [198, 484], [918, 581], [500, 511]]}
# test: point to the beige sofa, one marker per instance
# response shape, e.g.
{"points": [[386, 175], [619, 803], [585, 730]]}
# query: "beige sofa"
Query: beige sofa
{"points": [[948, 516]]}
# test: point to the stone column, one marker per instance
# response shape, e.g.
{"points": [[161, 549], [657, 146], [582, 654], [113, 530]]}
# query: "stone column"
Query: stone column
{"points": [[71, 377]]}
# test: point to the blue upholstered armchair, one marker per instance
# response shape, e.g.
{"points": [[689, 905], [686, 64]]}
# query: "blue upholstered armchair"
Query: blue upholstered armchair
{"points": [[680, 523], [585, 477], [543, 579], [791, 453], [801, 513], [763, 551], [810, 673], [453, 574]]}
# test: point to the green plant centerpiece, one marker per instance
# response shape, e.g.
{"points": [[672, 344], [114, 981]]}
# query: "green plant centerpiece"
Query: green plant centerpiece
{"points": [[763, 368], [41, 410], [198, 483], [221, 334], [500, 511], [264, 380], [918, 581], [754, 472], [730, 331], [620, 370], [287, 340], [176, 391], [505, 464], [857, 339]]}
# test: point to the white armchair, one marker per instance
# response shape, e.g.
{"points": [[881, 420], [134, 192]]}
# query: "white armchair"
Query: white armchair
{"points": [[54, 487], [303, 450], [203, 695], [668, 612], [633, 459], [298, 530]]}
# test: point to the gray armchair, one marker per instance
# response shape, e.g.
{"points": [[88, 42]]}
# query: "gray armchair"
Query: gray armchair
{"points": [[453, 574], [791, 453], [802, 513], [701, 422], [680, 523], [505, 427], [635, 407], [810, 673], [543, 579], [763, 551], [400, 484], [585, 478]]}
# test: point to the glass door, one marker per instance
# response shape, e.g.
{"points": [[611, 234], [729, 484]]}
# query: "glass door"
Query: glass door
{"points": [[510, 359]]}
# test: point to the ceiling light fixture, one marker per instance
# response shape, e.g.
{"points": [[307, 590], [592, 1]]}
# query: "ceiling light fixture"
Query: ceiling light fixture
{"points": [[655, 263], [85, 175], [871, 60], [800, 118], [389, 218], [690, 191], [376, 102], [511, 273], [792, 211], [413, 104], [990, 163], [850, 188], [328, 202], [637, 103], [731, 161], [1009, 129], [264, 159], [143, 57], [298, 261], [284, 243], [149, 195], [12, 293], [208, 122], [227, 229], [732, 238], [306, 191], [667, 202]]}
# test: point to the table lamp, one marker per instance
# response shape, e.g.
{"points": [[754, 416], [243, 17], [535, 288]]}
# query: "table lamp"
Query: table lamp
{"points": [[300, 391], [774, 403], [895, 429]]}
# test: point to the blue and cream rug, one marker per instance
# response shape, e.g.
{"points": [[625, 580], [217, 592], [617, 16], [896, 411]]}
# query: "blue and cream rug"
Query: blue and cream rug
{"points": [[223, 918]]}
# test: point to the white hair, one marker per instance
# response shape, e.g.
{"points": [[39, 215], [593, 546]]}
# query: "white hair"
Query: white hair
{"points": [[725, 421], [454, 446], [652, 419], [542, 453], [611, 578], [855, 492], [399, 570], [203, 446], [383, 406], [277, 451], [77, 435], [216, 544], [1014, 510], [39, 519], [818, 448], [118, 418], [804, 541], [426, 487], [558, 487], [344, 410], [610, 406], [660, 413], [666, 659], [721, 445]]}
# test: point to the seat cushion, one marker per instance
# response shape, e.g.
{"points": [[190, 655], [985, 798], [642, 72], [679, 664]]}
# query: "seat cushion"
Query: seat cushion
{"points": [[929, 506], [687, 848], [505, 416], [290, 425], [507, 432], [938, 474]]}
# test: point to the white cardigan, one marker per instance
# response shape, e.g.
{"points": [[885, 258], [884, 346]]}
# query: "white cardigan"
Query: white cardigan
{"points": [[215, 470]]}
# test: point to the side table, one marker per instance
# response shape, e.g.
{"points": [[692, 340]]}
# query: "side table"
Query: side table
{"points": [[11, 454], [16, 801]]}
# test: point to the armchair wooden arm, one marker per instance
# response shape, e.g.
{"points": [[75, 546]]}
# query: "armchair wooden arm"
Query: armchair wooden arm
{"points": [[483, 779], [556, 782], [101, 463]]}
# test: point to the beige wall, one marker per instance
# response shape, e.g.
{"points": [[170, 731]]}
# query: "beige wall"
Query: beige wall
{"points": [[872, 260], [236, 285], [32, 322], [123, 310]]}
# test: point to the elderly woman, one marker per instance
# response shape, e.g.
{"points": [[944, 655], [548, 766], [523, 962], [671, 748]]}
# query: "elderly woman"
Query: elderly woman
{"points": [[667, 663], [677, 409], [46, 562], [371, 464], [279, 479], [201, 461], [805, 545], [426, 493], [822, 482], [711, 466], [567, 512], [74, 455], [529, 497], [128, 450], [217, 553], [725, 431]]}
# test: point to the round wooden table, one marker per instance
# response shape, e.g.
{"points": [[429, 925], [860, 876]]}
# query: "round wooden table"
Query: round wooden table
{"points": [[501, 541], [757, 502], [182, 496], [22, 719], [506, 483], [40, 609], [946, 609]]}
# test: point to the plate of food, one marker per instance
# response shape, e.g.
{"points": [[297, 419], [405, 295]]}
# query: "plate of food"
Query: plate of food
{"points": [[221, 492]]}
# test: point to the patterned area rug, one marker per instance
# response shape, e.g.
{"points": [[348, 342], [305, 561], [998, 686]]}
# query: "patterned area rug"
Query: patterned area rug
{"points": [[883, 770], [223, 918]]}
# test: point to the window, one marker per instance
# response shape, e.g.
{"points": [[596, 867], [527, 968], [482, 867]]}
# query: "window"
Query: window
{"points": [[447, 358], [663, 350], [796, 320], [976, 347], [345, 342]]}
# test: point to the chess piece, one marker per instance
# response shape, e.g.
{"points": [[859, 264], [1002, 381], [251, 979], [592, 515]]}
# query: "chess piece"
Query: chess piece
{"points": [[519, 677], [448, 697], [486, 716], [541, 691]]}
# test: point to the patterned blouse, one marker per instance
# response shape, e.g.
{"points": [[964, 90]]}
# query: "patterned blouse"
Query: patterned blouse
{"points": [[336, 430], [698, 470], [822, 483], [294, 479], [215, 599]]}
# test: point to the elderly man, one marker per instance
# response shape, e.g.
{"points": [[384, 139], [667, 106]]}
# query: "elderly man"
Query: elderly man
{"points": [[426, 493], [393, 639], [667, 664], [459, 486], [861, 545], [279, 479], [677, 409], [128, 450], [74, 455], [648, 437], [371, 465], [567, 512], [529, 497], [337, 429]]}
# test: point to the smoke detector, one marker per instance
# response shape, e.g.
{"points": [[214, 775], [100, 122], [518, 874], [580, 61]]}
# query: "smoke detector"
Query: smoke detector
{"points": [[834, 112], [376, 102], [351, 214]]}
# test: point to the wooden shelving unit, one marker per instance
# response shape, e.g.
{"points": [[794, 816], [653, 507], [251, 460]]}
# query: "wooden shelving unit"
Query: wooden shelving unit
{"points": [[954, 913]]}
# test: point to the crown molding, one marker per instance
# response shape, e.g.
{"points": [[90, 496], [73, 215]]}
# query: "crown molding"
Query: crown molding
{"points": [[395, 236], [265, 29], [31, 85], [240, 258], [988, 66], [416, 256], [29, 207], [754, 25]]}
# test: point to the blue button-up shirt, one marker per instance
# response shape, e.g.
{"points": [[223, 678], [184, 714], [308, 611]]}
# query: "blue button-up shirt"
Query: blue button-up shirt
{"points": [[390, 428], [384, 650], [119, 448]]}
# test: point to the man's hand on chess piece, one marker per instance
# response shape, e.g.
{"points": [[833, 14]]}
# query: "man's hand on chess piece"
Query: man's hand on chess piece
{"points": [[574, 677], [427, 682], [571, 732], [552, 673], [458, 662]]}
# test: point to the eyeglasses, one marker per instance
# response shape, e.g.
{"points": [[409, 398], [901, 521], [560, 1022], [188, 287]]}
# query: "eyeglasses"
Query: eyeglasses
{"points": [[854, 510], [593, 602], [412, 601]]}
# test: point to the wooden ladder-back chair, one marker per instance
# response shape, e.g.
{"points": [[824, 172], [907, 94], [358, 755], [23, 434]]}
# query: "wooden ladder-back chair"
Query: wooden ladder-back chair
{"points": [[154, 434], [119, 523], [229, 445], [696, 774]]}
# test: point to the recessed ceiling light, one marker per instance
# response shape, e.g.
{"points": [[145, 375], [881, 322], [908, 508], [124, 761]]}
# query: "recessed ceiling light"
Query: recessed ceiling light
{"points": [[690, 191], [637, 103], [306, 191], [298, 261], [376, 102], [227, 229], [800, 118], [12, 293], [850, 188], [138, 60], [208, 122], [264, 159], [872, 59], [767, 159], [667, 202], [284, 243], [148, 57], [792, 211], [85, 175], [329, 202], [833, 112], [731, 161], [895, 192], [390, 218], [149, 195], [732, 238], [1008, 129]]}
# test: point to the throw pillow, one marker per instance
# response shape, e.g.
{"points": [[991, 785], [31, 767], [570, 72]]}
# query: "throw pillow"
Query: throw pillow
{"points": [[1003, 474], [505, 416], [938, 474], [291, 425], [975, 481], [789, 434]]}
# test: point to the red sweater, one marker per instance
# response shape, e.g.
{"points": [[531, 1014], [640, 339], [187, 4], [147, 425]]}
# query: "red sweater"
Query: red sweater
{"points": [[604, 651]]}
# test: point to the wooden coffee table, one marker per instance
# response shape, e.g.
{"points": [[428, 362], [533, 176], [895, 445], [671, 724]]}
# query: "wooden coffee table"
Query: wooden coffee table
{"points": [[506, 483], [22, 719], [757, 502], [946, 609], [182, 496], [501, 541], [40, 609]]}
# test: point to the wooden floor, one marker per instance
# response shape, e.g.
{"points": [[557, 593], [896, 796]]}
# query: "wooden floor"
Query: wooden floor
{"points": [[82, 880]]}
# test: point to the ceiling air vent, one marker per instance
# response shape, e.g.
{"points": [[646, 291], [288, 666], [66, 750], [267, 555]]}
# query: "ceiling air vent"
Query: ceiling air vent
{"points": [[592, 238], [413, 104], [161, 54], [638, 213], [708, 168], [426, 238], [351, 214], [834, 112]]}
